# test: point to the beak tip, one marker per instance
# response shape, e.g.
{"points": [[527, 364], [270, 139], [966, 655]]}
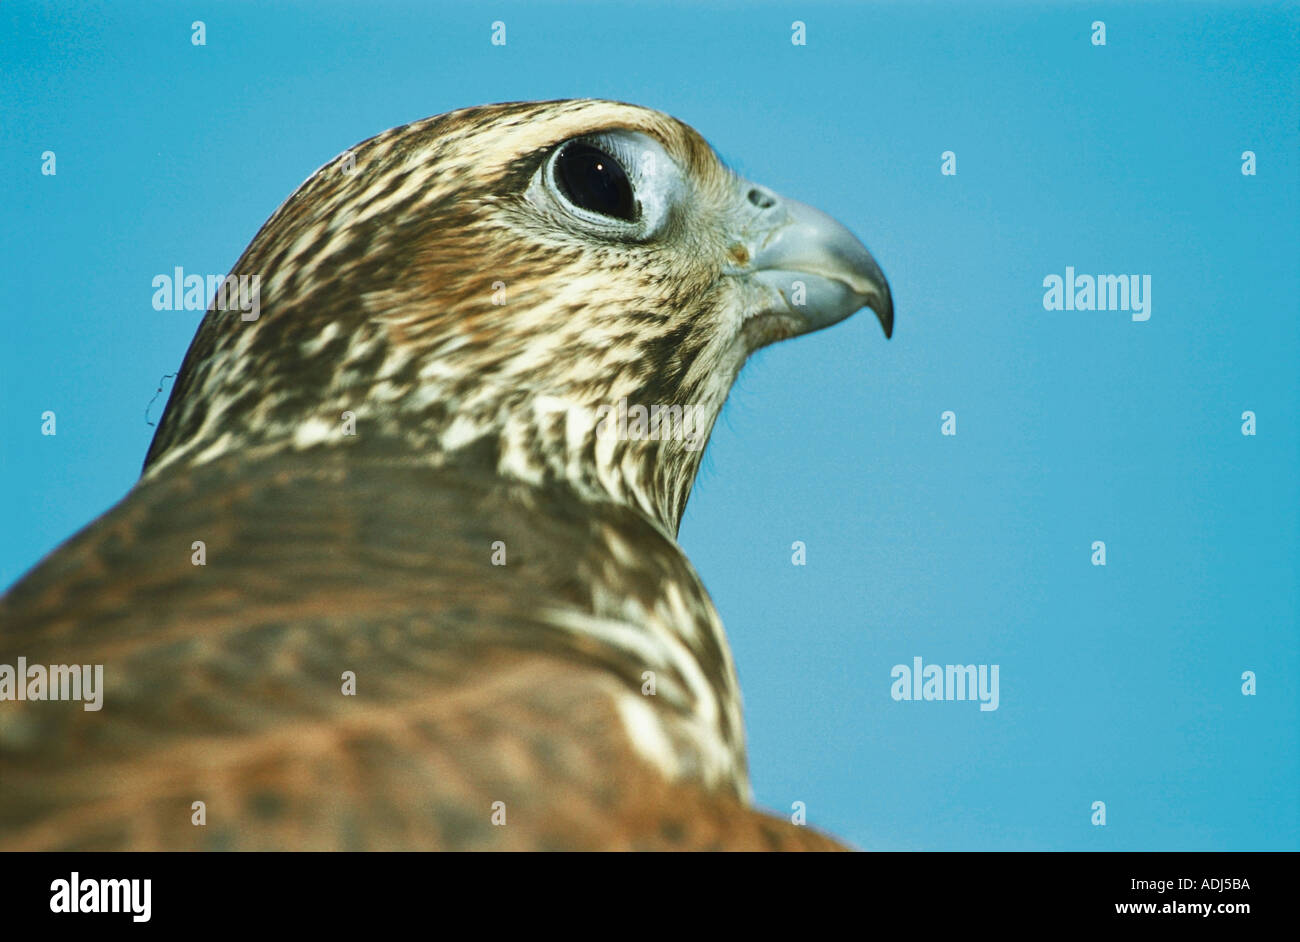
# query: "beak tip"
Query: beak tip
{"points": [[884, 310]]}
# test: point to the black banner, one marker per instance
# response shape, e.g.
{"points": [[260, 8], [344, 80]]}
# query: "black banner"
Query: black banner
{"points": [[138, 892]]}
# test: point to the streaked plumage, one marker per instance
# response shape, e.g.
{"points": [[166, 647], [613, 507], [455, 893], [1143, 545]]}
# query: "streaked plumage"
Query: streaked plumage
{"points": [[373, 552]]}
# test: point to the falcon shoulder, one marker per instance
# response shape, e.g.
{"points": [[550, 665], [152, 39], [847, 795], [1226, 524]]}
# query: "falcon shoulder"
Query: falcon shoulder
{"points": [[475, 683]]}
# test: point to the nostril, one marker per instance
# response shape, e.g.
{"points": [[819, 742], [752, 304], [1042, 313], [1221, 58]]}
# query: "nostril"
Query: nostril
{"points": [[760, 198]]}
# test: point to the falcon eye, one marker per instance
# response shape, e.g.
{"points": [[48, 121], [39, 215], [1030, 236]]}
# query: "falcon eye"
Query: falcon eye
{"points": [[591, 179], [615, 185]]}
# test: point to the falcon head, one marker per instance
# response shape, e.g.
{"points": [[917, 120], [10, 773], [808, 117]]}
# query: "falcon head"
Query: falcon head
{"points": [[505, 286]]}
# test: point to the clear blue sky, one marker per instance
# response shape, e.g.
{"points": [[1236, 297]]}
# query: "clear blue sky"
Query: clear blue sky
{"points": [[1118, 684]]}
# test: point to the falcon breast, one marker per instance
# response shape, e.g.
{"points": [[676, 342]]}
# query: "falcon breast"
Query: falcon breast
{"points": [[437, 481]]}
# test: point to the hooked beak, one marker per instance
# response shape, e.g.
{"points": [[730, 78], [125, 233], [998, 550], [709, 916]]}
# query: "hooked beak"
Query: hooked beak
{"points": [[815, 268]]}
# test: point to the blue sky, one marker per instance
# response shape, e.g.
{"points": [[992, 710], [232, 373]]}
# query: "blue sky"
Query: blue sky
{"points": [[1119, 683]]}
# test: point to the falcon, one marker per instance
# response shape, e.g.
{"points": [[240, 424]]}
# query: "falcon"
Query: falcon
{"points": [[401, 571]]}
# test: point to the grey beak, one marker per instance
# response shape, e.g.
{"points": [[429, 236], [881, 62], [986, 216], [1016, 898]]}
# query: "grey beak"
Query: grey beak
{"points": [[821, 270]]}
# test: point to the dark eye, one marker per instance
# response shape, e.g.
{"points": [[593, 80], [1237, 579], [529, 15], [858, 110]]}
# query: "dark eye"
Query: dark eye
{"points": [[592, 180]]}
